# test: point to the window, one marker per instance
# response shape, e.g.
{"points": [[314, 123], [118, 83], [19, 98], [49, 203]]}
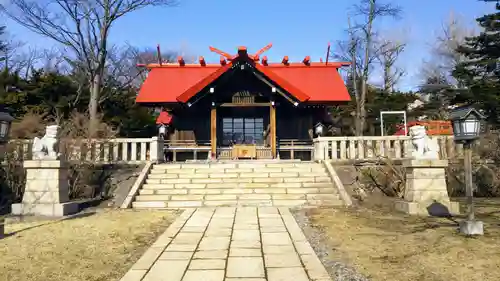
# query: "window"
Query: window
{"points": [[242, 131]]}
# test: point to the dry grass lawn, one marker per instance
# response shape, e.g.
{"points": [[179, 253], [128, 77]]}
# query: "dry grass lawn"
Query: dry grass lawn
{"points": [[385, 245], [102, 246]]}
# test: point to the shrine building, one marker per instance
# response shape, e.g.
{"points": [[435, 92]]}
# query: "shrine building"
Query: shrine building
{"points": [[243, 106]]}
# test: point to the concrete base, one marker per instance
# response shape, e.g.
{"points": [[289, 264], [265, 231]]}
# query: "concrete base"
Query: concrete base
{"points": [[474, 227], [425, 189], [50, 210], [46, 192], [437, 209]]}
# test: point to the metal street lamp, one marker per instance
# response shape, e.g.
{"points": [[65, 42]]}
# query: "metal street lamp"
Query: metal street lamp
{"points": [[5, 122], [466, 122]]}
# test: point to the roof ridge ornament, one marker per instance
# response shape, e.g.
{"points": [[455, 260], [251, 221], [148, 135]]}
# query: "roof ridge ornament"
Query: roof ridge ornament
{"points": [[226, 58], [241, 50]]}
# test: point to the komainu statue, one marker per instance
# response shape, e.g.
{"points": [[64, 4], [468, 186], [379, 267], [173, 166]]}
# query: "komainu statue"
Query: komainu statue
{"points": [[46, 148], [423, 146]]}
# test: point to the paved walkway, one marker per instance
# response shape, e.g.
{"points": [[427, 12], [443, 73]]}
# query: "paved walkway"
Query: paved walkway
{"points": [[230, 244]]}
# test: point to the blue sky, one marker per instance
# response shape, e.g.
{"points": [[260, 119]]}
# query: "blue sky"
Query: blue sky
{"points": [[295, 27]]}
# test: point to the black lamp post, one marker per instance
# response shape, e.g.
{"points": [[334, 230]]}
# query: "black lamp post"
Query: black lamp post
{"points": [[5, 122], [466, 122]]}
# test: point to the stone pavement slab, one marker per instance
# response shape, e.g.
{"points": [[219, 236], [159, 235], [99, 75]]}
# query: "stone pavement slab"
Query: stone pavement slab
{"points": [[230, 244]]}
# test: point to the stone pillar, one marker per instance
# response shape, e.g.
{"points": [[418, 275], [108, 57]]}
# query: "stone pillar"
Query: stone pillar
{"points": [[425, 190], [319, 149], [47, 190], [156, 150]]}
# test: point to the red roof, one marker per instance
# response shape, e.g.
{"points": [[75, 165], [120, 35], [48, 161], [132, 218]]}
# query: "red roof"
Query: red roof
{"points": [[166, 84], [321, 84], [306, 81]]}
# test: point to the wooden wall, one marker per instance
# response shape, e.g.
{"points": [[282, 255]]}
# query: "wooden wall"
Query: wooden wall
{"points": [[296, 123], [291, 122], [191, 125]]}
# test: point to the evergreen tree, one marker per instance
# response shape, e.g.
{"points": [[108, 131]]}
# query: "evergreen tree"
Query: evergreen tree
{"points": [[438, 94], [480, 73]]}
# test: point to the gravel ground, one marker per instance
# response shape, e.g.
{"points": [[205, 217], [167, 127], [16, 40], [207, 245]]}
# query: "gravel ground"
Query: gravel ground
{"points": [[338, 270]]}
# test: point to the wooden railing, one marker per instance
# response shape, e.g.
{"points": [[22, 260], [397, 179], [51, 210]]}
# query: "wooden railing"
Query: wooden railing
{"points": [[180, 150], [374, 147], [295, 148]]}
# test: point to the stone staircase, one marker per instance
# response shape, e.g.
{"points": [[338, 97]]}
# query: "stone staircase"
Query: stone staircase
{"points": [[255, 183]]}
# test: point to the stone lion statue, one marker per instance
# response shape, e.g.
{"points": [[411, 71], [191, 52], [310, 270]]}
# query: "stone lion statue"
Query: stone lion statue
{"points": [[46, 147], [423, 146]]}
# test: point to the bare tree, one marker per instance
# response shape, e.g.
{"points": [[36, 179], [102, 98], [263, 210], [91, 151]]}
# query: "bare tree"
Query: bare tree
{"points": [[11, 50], [53, 60], [439, 87], [123, 63], [23, 61], [361, 49], [3, 46], [389, 51], [443, 57], [81, 26]]}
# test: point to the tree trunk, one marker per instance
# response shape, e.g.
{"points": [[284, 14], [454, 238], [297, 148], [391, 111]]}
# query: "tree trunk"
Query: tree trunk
{"points": [[95, 89], [361, 108], [366, 64], [96, 84], [387, 78]]}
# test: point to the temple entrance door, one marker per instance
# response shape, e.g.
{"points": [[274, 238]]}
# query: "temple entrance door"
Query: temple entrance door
{"points": [[243, 127], [243, 130]]}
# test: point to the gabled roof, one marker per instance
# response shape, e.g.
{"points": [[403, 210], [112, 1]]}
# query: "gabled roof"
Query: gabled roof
{"points": [[306, 81]]}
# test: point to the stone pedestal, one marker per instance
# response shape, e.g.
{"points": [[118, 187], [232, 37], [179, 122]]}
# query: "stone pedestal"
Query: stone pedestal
{"points": [[46, 191], [426, 192]]}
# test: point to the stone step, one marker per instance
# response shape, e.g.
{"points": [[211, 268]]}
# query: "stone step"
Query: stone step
{"points": [[237, 185], [216, 182], [235, 178], [234, 197], [297, 177], [252, 183], [331, 200], [186, 170], [238, 165], [238, 191], [260, 174]]}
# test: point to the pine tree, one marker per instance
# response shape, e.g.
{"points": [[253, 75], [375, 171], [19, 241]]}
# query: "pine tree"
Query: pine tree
{"points": [[481, 71]]}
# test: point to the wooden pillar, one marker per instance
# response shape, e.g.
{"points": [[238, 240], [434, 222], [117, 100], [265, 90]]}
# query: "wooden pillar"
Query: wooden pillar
{"points": [[272, 121], [213, 131]]}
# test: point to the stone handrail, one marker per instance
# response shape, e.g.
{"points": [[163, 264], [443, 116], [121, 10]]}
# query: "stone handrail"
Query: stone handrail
{"points": [[101, 151], [374, 147], [140, 150]]}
